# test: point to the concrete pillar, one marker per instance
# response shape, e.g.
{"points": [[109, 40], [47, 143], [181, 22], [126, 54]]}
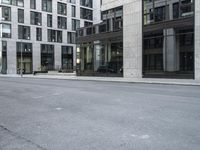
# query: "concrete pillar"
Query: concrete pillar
{"points": [[132, 39], [57, 56], [11, 57], [170, 51], [197, 40], [36, 54]]}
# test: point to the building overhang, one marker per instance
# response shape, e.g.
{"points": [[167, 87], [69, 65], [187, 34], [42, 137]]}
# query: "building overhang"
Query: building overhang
{"points": [[100, 36]]}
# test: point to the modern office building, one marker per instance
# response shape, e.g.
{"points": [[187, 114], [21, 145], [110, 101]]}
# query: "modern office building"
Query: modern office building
{"points": [[40, 35], [141, 39]]}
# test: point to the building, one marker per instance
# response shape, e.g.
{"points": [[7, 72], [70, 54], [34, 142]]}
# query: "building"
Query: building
{"points": [[39, 35], [142, 39]]}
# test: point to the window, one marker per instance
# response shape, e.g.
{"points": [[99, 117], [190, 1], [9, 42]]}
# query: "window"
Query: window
{"points": [[73, 11], [71, 37], [36, 18], [49, 20], [39, 34], [72, 1], [6, 30], [54, 36], [20, 15], [20, 3], [6, 13], [62, 8], [75, 24], [33, 4], [168, 49], [86, 14], [14, 2], [160, 10], [67, 58], [87, 24], [6, 2], [3, 58], [47, 5], [24, 32], [86, 3], [24, 57], [62, 22], [47, 57]]}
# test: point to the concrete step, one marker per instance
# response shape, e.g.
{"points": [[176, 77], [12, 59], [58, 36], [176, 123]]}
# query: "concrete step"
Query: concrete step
{"points": [[56, 73]]}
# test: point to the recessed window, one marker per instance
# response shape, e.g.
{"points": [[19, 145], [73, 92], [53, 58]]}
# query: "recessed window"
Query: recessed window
{"points": [[86, 14], [54, 36], [39, 34], [33, 4], [62, 22], [6, 13], [49, 20], [36, 18], [24, 32], [20, 15], [47, 5], [6, 30], [62, 8]]}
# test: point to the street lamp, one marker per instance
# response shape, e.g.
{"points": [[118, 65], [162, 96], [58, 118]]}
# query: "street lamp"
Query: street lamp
{"points": [[21, 70]]}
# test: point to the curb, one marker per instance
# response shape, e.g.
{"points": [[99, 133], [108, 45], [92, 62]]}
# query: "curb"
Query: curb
{"points": [[109, 79]]}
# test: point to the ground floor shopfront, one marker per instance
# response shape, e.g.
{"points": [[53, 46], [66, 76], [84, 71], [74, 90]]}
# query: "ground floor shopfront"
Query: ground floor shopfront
{"points": [[159, 39], [101, 58], [29, 57]]}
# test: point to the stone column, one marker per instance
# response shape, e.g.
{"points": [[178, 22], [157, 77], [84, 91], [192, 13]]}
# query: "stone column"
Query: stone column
{"points": [[11, 57], [197, 40], [36, 54], [132, 39], [57, 56], [170, 51]]}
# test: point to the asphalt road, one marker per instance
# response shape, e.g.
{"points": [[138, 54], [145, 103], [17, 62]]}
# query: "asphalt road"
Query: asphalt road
{"points": [[37, 114]]}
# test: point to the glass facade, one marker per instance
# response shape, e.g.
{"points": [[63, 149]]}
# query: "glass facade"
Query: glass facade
{"points": [[24, 58], [102, 58], [168, 38], [47, 57], [67, 59], [102, 52], [3, 57]]}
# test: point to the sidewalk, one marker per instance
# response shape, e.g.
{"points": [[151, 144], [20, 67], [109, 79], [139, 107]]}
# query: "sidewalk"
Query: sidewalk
{"points": [[113, 79]]}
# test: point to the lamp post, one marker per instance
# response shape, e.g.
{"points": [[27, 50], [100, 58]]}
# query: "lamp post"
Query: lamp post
{"points": [[21, 70]]}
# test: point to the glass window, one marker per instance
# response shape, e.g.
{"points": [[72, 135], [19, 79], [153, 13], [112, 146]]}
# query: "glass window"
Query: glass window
{"points": [[24, 58], [86, 14], [73, 11], [86, 3], [6, 13], [6, 1], [62, 22], [3, 58], [168, 46], [49, 20], [160, 10], [47, 57], [67, 58], [54, 36], [24, 32], [47, 5], [6, 30], [39, 34], [71, 37], [62, 8], [75, 24], [36, 18], [20, 15], [33, 4]]}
